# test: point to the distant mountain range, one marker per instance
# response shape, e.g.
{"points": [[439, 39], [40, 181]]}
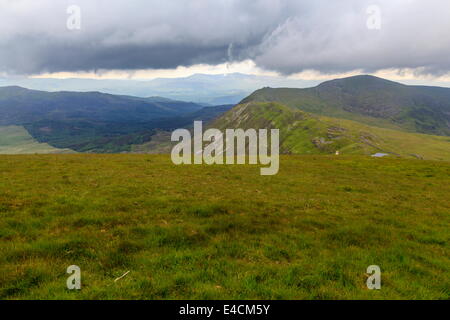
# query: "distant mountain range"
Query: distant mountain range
{"points": [[356, 115], [19, 105], [201, 88]]}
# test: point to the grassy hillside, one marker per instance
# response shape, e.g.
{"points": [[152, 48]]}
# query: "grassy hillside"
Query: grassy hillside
{"points": [[371, 100], [226, 232], [305, 133], [394, 142], [17, 140]]}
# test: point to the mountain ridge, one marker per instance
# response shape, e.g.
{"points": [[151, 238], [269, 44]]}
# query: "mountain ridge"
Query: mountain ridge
{"points": [[371, 100], [305, 133]]}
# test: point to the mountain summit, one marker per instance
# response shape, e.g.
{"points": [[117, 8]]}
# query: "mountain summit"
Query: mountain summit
{"points": [[370, 100]]}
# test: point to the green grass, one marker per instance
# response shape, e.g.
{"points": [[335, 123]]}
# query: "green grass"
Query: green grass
{"points": [[402, 144], [17, 140], [305, 133], [210, 232]]}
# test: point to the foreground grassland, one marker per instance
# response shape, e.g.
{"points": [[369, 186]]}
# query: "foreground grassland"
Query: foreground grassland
{"points": [[225, 232]]}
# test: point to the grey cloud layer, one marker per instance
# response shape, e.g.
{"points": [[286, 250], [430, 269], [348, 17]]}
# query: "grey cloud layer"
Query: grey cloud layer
{"points": [[284, 36]]}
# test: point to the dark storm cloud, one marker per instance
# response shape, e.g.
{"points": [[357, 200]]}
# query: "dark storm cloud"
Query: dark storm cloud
{"points": [[284, 36]]}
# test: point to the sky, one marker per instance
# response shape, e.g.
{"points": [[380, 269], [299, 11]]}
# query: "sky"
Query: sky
{"points": [[144, 39]]}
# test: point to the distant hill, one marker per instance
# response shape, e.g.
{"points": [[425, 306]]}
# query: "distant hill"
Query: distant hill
{"points": [[94, 121], [370, 100], [19, 105]]}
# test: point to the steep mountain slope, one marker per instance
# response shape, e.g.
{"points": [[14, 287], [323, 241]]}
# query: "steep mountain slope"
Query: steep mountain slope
{"points": [[161, 143], [370, 100], [305, 133]]}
